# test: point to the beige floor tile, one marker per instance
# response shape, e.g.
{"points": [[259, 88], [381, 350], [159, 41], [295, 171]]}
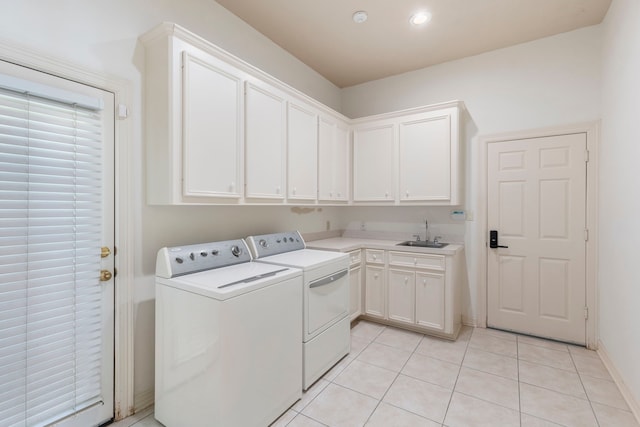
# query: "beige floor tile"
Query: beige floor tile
{"points": [[284, 419], [494, 344], [608, 416], [491, 363], [432, 370], [148, 421], [582, 351], [557, 407], [419, 397], [366, 379], [552, 378], [527, 420], [546, 356], [303, 421], [449, 351], [357, 345], [384, 356], [604, 391], [387, 415], [495, 333], [465, 333], [492, 388], [540, 342], [338, 367], [467, 411], [367, 330], [337, 406], [398, 338], [592, 367], [310, 394]]}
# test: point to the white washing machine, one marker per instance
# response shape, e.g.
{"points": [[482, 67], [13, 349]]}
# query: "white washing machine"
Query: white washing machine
{"points": [[228, 335], [325, 319]]}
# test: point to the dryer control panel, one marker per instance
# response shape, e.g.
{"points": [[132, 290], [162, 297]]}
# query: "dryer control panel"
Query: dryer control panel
{"points": [[276, 243]]}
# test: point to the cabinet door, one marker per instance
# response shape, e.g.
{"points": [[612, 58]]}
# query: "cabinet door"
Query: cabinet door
{"points": [[212, 130], [401, 296], [425, 158], [430, 303], [333, 160], [265, 143], [302, 126], [355, 302], [374, 292], [374, 164]]}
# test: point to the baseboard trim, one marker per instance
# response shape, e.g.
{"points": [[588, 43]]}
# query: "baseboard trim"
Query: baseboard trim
{"points": [[469, 321], [628, 396], [143, 400]]}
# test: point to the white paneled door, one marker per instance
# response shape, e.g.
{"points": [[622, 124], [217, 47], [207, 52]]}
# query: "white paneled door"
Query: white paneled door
{"points": [[56, 251], [537, 206]]}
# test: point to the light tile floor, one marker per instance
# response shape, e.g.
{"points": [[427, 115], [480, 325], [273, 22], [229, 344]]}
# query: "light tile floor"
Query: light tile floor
{"points": [[396, 378]]}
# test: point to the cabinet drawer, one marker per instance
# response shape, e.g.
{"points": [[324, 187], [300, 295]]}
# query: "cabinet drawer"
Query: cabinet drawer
{"points": [[409, 259], [355, 257], [374, 256]]}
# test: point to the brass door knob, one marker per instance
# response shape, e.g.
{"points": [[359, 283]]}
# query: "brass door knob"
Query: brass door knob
{"points": [[105, 275], [105, 252]]}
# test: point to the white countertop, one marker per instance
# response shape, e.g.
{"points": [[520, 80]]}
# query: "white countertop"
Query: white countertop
{"points": [[346, 244]]}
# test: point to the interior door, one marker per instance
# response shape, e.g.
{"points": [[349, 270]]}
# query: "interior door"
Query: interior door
{"points": [[56, 256], [536, 280]]}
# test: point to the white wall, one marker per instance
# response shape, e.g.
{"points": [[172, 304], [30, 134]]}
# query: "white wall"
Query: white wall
{"points": [[619, 231], [102, 36], [547, 82]]}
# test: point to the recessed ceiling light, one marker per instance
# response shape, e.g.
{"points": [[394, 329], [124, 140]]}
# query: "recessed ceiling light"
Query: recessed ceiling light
{"points": [[360, 16], [420, 18]]}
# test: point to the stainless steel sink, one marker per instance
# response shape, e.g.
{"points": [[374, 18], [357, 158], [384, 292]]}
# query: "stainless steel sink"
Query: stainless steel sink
{"points": [[423, 244]]}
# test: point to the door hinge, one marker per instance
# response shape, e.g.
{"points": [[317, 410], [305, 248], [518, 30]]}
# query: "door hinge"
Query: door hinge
{"points": [[123, 112], [586, 156], [586, 234], [586, 313]]}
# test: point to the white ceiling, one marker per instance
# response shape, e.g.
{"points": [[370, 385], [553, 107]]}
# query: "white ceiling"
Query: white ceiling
{"points": [[321, 33]]}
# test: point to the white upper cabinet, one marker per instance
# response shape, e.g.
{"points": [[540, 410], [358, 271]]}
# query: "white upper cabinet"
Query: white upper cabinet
{"points": [[265, 142], [302, 160], [212, 129], [333, 160], [409, 157], [194, 124], [374, 161], [425, 158], [220, 131]]}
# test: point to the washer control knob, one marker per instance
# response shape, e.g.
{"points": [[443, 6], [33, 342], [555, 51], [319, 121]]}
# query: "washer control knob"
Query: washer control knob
{"points": [[291, 239], [215, 252], [179, 260], [192, 256], [279, 241], [203, 253], [263, 243], [236, 251]]}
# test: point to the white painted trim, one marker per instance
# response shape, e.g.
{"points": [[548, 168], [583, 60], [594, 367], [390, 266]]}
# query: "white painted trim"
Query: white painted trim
{"points": [[144, 399], [628, 396], [592, 130], [13, 52]]}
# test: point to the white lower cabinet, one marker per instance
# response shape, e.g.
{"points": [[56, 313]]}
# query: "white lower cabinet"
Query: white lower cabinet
{"points": [[401, 294], [355, 302], [374, 291], [413, 290], [430, 300]]}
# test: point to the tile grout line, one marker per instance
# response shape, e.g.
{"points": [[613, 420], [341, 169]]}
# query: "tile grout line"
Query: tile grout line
{"points": [[585, 389], [518, 374], [453, 390]]}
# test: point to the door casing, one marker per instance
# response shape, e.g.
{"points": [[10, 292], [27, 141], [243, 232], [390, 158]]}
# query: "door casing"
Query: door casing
{"points": [[591, 129]]}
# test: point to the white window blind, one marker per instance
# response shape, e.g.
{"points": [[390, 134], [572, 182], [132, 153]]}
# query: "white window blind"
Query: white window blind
{"points": [[50, 239]]}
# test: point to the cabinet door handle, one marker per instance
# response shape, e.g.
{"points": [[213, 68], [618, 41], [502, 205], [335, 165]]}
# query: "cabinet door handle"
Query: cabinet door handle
{"points": [[406, 280], [375, 276]]}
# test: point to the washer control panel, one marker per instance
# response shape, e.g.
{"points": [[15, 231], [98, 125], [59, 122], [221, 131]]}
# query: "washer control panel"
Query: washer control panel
{"points": [[276, 243], [180, 260]]}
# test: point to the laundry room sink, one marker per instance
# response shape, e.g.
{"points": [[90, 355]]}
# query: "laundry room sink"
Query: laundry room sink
{"points": [[423, 244]]}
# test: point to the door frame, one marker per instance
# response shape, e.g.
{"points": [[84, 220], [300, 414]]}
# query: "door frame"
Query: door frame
{"points": [[124, 217], [592, 131]]}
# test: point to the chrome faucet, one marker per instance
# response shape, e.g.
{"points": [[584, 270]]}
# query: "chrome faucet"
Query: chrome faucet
{"points": [[426, 233], [417, 236]]}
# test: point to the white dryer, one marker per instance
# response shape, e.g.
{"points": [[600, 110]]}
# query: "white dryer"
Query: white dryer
{"points": [[228, 335], [325, 319]]}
